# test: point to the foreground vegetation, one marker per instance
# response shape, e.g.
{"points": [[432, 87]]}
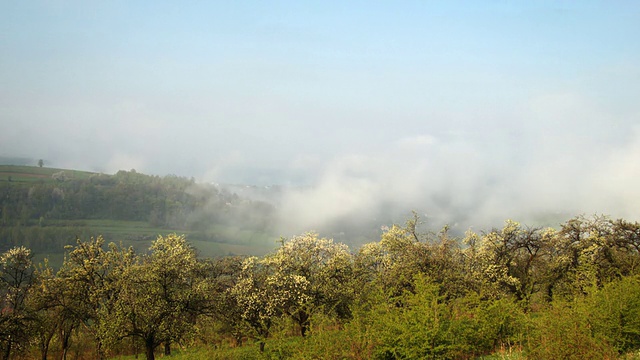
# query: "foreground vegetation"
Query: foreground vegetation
{"points": [[515, 292]]}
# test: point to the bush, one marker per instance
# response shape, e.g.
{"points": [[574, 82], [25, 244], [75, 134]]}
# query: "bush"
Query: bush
{"points": [[615, 314], [427, 326], [603, 324], [564, 332]]}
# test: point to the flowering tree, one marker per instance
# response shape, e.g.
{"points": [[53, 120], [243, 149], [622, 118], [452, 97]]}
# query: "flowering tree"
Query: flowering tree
{"points": [[16, 277], [514, 260], [263, 293], [44, 314], [158, 295], [318, 268], [89, 277], [393, 262]]}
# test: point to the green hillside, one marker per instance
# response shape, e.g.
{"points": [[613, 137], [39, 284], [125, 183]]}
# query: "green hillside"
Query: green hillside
{"points": [[16, 173], [48, 208]]}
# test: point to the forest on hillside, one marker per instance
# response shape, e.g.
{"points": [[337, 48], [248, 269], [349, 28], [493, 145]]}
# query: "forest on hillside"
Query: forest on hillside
{"points": [[49, 212], [541, 293]]}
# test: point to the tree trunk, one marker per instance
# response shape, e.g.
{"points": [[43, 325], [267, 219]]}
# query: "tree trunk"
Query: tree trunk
{"points": [[263, 334], [7, 350], [44, 350], [45, 341], [167, 348], [65, 339], [149, 351], [303, 320], [101, 354], [148, 344]]}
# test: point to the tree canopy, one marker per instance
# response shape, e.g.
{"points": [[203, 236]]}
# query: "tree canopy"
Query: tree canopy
{"points": [[571, 292]]}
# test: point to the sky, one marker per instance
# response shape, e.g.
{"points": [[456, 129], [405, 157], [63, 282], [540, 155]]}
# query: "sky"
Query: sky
{"points": [[491, 109]]}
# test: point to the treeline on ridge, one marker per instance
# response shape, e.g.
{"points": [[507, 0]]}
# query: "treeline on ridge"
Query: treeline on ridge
{"points": [[567, 293], [45, 215]]}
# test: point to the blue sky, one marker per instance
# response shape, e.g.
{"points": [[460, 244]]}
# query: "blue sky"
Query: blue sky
{"points": [[309, 92]]}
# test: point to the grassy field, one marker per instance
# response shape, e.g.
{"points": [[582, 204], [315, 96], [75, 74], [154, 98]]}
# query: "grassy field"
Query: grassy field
{"points": [[139, 235], [27, 174], [292, 348], [250, 351]]}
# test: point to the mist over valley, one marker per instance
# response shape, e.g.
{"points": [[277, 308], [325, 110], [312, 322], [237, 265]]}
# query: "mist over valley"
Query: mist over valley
{"points": [[320, 179]]}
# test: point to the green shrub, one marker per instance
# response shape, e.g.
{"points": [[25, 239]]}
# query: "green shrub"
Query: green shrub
{"points": [[564, 332], [427, 326], [615, 313]]}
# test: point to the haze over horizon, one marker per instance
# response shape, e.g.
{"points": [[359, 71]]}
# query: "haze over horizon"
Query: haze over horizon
{"points": [[489, 109]]}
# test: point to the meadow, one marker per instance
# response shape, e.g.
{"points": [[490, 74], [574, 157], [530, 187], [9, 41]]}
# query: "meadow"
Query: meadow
{"points": [[32, 174]]}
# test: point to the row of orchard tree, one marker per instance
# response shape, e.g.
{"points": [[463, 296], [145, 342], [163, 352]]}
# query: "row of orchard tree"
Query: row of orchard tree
{"points": [[557, 293]]}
